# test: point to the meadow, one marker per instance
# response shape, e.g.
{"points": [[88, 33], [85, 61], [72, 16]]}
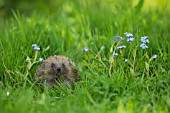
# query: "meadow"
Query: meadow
{"points": [[104, 38]]}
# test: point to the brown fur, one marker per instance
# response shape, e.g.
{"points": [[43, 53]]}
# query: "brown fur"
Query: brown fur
{"points": [[57, 69]]}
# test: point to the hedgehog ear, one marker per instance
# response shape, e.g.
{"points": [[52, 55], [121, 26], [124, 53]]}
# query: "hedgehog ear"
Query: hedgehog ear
{"points": [[52, 65], [69, 62]]}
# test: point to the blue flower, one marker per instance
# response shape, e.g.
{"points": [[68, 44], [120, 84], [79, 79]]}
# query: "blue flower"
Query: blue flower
{"points": [[27, 60], [128, 34], [86, 49], [119, 38], [35, 47], [143, 46], [8, 93], [144, 39], [104, 59], [129, 37], [41, 59], [115, 55], [121, 47], [126, 60], [155, 56], [129, 40]]}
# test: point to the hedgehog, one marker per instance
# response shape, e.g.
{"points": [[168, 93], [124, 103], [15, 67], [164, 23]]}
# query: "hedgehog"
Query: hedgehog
{"points": [[55, 70]]}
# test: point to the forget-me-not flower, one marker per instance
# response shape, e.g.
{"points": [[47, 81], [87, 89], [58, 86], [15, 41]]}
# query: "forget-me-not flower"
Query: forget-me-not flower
{"points": [[119, 38], [85, 49], [143, 46], [129, 37], [27, 60], [35, 47], [155, 56], [8, 93], [115, 55], [129, 40], [128, 34], [121, 47], [126, 60], [144, 39], [41, 59], [104, 59]]}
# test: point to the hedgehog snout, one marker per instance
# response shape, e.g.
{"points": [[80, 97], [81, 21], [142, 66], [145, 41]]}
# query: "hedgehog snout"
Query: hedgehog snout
{"points": [[58, 69]]}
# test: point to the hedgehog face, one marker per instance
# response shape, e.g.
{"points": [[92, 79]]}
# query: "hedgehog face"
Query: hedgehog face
{"points": [[58, 68]]}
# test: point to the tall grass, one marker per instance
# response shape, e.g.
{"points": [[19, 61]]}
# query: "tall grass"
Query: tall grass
{"points": [[108, 84]]}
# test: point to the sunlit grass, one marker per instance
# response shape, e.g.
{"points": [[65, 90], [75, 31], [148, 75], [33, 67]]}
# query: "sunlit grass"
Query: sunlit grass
{"points": [[135, 81]]}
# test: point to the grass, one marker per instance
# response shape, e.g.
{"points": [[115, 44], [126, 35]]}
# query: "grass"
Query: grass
{"points": [[107, 86]]}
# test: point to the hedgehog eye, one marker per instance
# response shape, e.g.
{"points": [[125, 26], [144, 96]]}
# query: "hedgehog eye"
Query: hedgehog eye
{"points": [[52, 65], [63, 64]]}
